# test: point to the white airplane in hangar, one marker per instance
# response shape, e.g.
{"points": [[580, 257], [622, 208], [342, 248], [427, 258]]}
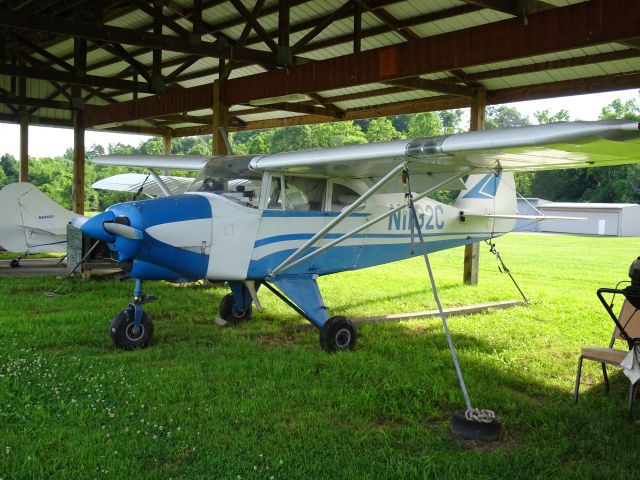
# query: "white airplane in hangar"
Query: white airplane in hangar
{"points": [[281, 220], [30, 222]]}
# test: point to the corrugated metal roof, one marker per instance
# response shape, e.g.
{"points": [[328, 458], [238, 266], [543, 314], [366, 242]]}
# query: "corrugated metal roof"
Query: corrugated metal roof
{"points": [[390, 22]]}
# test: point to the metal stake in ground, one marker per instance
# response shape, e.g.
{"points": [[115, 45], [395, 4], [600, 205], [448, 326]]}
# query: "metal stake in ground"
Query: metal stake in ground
{"points": [[473, 424]]}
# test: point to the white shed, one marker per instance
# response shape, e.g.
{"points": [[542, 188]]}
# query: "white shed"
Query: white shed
{"points": [[614, 219], [529, 206]]}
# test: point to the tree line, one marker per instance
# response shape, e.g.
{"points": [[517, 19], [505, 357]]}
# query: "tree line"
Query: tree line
{"points": [[606, 184]]}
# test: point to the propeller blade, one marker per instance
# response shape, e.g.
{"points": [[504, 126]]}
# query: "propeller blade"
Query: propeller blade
{"points": [[123, 230], [79, 221]]}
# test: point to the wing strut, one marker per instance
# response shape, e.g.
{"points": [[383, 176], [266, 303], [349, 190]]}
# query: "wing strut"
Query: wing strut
{"points": [[288, 264], [478, 424], [161, 184], [345, 213]]}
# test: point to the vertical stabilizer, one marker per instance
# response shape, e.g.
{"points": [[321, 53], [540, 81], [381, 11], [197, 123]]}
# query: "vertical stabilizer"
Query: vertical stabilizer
{"points": [[489, 194], [30, 221]]}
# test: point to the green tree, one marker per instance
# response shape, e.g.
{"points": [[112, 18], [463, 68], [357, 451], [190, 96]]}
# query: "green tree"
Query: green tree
{"points": [[544, 116], [152, 146], [503, 117], [424, 124], [120, 149], [401, 123], [618, 109], [10, 168], [380, 130], [450, 121]]}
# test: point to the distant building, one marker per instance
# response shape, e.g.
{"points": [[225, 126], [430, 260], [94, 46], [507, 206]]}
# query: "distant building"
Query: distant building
{"points": [[528, 206], [614, 219]]}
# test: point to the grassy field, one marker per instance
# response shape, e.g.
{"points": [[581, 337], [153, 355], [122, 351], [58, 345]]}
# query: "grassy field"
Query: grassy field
{"points": [[258, 400]]}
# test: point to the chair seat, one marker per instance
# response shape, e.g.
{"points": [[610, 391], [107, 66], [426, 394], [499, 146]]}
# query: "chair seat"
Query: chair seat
{"points": [[610, 355]]}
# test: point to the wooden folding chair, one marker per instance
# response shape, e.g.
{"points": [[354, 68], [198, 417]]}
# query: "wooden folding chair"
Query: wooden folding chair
{"points": [[629, 319]]}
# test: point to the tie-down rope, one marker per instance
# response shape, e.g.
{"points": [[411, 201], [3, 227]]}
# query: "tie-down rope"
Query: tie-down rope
{"points": [[471, 414]]}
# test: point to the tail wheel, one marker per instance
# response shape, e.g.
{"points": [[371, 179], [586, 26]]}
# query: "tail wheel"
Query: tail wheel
{"points": [[338, 334], [230, 313], [124, 333]]}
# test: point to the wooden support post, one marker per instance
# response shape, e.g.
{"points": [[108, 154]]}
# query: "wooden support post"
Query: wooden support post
{"points": [[166, 142], [166, 147], [24, 147], [472, 251], [220, 116], [78, 161]]}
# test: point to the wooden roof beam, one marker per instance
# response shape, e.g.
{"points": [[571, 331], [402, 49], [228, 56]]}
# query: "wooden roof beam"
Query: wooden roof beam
{"points": [[14, 19], [419, 83], [592, 23], [512, 7], [389, 20]]}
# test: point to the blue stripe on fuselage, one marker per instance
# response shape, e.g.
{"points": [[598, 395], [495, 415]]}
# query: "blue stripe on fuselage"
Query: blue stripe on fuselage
{"points": [[341, 258], [330, 236], [305, 213]]}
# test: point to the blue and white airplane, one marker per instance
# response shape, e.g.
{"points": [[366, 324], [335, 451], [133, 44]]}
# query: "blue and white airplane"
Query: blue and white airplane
{"points": [[282, 220]]}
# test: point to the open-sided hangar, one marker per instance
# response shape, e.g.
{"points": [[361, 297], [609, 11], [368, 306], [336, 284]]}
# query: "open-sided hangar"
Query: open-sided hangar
{"points": [[187, 67]]}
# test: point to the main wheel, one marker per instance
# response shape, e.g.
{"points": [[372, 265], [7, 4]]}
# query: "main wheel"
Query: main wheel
{"points": [[337, 334], [124, 334], [230, 313], [15, 263]]}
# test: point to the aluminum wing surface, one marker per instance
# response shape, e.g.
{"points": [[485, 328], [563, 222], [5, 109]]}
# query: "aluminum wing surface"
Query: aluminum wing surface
{"points": [[173, 162], [542, 147], [131, 182]]}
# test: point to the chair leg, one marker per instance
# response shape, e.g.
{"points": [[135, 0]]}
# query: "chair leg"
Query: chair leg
{"points": [[577, 388], [606, 378]]}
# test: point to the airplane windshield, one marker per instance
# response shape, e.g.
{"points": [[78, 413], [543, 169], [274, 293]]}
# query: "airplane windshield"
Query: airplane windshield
{"points": [[229, 180]]}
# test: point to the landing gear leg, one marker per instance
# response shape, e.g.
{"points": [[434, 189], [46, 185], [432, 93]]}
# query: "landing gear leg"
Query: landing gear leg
{"points": [[132, 327], [301, 293], [236, 306]]}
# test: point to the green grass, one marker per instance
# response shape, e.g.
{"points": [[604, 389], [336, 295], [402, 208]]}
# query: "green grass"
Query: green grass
{"points": [[257, 400]]}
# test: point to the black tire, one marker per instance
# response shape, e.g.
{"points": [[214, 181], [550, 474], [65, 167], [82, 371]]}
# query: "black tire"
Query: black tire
{"points": [[338, 334], [122, 333], [470, 430], [229, 312], [15, 263]]}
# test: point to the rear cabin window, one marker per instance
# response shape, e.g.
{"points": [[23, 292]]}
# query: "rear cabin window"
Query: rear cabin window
{"points": [[342, 196], [300, 193]]}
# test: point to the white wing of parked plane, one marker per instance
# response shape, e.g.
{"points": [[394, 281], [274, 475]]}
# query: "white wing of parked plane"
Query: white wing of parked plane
{"points": [[177, 162], [131, 182]]}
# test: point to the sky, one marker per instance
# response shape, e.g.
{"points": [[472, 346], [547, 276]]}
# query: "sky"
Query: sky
{"points": [[53, 142]]}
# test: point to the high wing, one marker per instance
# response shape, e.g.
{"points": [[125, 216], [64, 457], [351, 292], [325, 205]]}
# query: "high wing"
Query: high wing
{"points": [[131, 182], [174, 162], [542, 147]]}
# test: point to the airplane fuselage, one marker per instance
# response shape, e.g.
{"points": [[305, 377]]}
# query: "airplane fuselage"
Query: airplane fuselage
{"points": [[204, 235]]}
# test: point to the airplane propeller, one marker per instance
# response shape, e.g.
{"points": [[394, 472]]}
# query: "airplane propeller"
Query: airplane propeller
{"points": [[123, 230]]}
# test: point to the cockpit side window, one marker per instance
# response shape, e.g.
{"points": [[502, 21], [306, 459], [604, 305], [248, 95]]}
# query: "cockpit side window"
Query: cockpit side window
{"points": [[242, 189]]}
